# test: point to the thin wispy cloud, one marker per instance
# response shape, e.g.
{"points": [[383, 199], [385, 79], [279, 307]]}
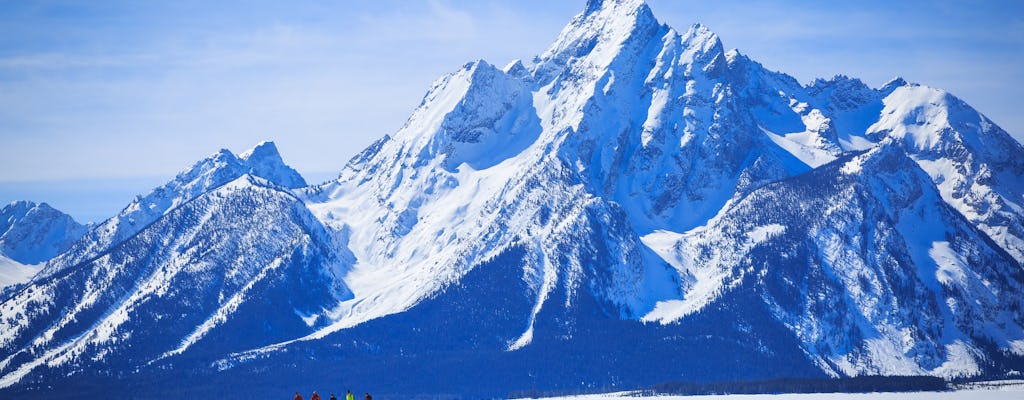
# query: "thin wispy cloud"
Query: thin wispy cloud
{"points": [[120, 89]]}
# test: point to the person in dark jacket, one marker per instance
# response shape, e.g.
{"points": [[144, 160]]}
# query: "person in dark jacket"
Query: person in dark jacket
{"points": [[368, 397], [332, 397]]}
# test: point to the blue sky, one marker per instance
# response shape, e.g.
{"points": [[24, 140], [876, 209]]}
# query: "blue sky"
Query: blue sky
{"points": [[103, 100]]}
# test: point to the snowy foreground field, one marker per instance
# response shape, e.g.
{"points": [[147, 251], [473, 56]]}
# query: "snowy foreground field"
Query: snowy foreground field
{"points": [[979, 391]]}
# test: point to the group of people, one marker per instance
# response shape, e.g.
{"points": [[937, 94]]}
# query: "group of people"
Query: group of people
{"points": [[348, 396]]}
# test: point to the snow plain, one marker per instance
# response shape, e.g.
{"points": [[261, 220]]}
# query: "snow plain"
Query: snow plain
{"points": [[980, 391]]}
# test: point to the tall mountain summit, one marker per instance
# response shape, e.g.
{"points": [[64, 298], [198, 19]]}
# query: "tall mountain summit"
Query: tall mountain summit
{"points": [[635, 205]]}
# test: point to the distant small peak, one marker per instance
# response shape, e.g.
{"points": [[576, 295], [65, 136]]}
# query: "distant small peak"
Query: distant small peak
{"points": [[45, 206], [594, 6], [616, 8], [222, 154], [517, 69], [475, 68], [265, 149], [480, 64], [893, 83], [898, 81], [21, 204], [835, 80], [699, 36], [265, 161], [701, 31], [733, 56], [478, 70], [470, 65], [514, 65]]}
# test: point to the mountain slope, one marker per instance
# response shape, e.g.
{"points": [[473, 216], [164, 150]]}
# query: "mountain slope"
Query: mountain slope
{"points": [[674, 132], [243, 257], [977, 166], [218, 169], [869, 268], [211, 253]]}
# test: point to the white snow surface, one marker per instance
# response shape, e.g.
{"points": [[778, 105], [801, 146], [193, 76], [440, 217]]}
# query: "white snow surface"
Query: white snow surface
{"points": [[974, 163], [32, 233], [981, 391], [206, 175], [13, 272]]}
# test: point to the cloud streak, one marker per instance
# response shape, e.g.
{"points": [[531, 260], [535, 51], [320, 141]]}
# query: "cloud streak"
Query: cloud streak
{"points": [[121, 89]]}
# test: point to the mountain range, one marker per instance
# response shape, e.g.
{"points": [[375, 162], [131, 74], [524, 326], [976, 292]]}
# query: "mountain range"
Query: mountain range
{"points": [[636, 205]]}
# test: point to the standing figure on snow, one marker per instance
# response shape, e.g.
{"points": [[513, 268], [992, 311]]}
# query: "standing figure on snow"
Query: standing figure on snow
{"points": [[315, 396]]}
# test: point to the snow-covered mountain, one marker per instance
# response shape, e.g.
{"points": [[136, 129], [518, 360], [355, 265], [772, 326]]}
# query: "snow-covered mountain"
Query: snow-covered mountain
{"points": [[225, 251], [635, 205], [30, 234], [262, 161]]}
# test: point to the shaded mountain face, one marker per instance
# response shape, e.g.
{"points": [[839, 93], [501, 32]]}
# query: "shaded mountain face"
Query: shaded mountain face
{"points": [[30, 234], [869, 268], [263, 161], [634, 206], [33, 233], [241, 264]]}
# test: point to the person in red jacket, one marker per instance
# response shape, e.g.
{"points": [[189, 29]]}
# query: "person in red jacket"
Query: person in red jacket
{"points": [[297, 396], [315, 396]]}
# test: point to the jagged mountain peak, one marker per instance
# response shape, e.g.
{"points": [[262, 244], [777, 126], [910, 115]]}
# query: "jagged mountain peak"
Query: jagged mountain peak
{"points": [[207, 174], [246, 256], [977, 166], [17, 207], [892, 84], [837, 81], [929, 119], [264, 160], [15, 210], [701, 36], [474, 115], [598, 34], [598, 6], [517, 69], [31, 233], [219, 168]]}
